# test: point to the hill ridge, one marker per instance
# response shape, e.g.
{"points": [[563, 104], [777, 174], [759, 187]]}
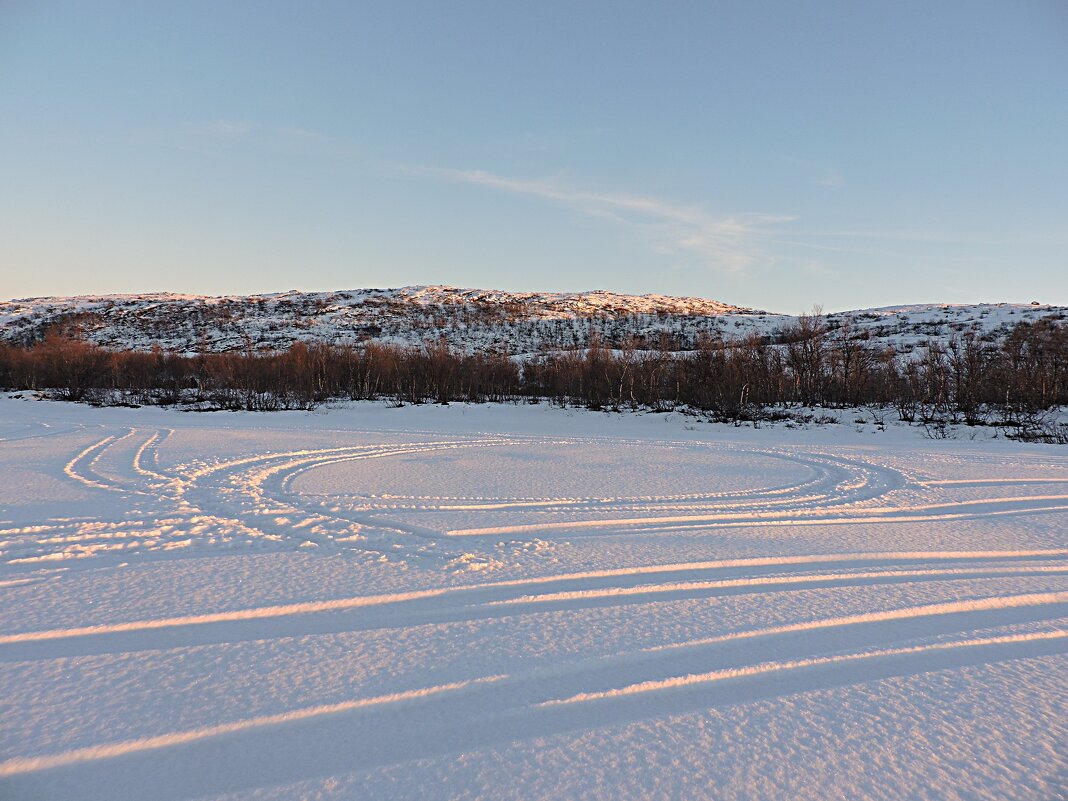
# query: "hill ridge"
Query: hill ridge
{"points": [[468, 318]]}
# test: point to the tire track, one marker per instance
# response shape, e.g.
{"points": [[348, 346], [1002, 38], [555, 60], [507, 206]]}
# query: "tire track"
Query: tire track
{"points": [[976, 613], [593, 683], [530, 595]]}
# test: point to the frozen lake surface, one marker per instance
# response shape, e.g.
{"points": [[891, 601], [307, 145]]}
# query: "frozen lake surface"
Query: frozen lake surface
{"points": [[516, 602]]}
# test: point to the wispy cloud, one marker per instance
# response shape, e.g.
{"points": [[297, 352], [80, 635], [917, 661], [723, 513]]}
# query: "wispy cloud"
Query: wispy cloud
{"points": [[221, 129], [730, 243], [908, 236], [221, 136], [831, 179]]}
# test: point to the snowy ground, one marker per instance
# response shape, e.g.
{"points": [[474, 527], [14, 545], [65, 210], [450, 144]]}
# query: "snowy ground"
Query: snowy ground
{"points": [[523, 602]]}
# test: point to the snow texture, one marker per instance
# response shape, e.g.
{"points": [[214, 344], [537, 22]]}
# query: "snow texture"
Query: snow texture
{"points": [[505, 602], [471, 320]]}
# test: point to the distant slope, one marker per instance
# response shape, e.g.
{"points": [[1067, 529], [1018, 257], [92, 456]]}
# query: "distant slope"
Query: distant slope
{"points": [[469, 319]]}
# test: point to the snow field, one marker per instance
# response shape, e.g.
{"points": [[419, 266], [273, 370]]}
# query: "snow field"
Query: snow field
{"points": [[518, 602]]}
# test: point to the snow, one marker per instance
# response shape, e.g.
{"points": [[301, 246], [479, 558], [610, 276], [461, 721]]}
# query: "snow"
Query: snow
{"points": [[518, 601], [472, 320]]}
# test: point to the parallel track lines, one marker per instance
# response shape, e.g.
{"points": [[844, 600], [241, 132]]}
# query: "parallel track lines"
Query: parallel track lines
{"points": [[251, 499]]}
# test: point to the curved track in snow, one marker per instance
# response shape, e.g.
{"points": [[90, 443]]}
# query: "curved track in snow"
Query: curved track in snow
{"points": [[836, 617]]}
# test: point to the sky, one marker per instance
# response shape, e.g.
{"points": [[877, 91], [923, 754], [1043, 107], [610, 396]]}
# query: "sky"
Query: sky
{"points": [[777, 155]]}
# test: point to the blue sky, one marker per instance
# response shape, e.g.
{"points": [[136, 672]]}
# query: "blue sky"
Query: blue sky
{"points": [[776, 155]]}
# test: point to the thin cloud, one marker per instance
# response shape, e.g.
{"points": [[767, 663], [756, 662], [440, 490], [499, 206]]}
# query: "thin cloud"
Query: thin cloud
{"points": [[240, 129], [890, 235], [831, 179], [296, 132], [222, 135], [730, 243], [222, 129]]}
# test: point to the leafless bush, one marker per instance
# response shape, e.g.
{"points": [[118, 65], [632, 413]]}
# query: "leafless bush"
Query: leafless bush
{"points": [[963, 380]]}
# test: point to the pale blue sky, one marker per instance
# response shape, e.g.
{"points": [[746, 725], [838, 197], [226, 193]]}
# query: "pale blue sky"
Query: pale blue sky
{"points": [[768, 154]]}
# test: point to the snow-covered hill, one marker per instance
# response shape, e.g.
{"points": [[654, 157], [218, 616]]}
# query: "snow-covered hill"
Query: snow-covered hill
{"points": [[469, 319]]}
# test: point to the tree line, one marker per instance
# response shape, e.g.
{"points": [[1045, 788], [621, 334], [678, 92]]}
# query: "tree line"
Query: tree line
{"points": [[966, 378]]}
